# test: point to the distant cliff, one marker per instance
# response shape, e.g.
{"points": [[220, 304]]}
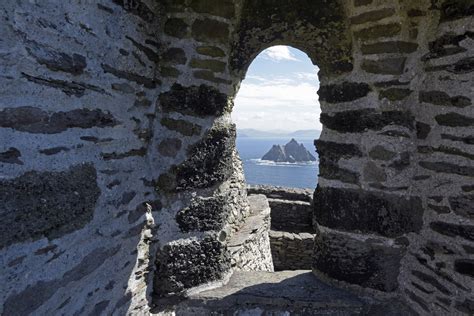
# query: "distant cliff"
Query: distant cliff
{"points": [[291, 152]]}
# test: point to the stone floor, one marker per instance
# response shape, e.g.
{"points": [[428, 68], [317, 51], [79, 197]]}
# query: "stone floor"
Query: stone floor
{"points": [[281, 293]]}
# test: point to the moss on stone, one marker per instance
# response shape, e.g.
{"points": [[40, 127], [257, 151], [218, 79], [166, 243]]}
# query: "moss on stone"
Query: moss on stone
{"points": [[379, 31], [174, 55], [209, 76], [213, 65], [176, 27], [210, 51], [181, 126], [395, 94], [222, 8], [169, 72], [208, 30]]}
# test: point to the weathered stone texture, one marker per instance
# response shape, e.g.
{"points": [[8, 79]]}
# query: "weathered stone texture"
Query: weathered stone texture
{"points": [[209, 163], [201, 101], [203, 214], [292, 251], [249, 247], [185, 265], [345, 92], [353, 210], [357, 121], [291, 216], [369, 263], [35, 295], [47, 204], [35, 120]]}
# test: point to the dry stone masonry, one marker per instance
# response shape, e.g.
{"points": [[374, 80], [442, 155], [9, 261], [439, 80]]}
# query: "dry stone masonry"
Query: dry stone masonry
{"points": [[291, 231], [120, 185]]}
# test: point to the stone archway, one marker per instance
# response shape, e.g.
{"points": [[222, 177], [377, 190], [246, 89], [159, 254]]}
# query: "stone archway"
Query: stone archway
{"points": [[142, 93], [369, 207]]}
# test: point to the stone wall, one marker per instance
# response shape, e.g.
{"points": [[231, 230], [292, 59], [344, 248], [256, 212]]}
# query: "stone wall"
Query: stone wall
{"points": [[292, 234], [77, 105], [291, 209], [292, 251], [117, 113], [250, 247], [395, 160]]}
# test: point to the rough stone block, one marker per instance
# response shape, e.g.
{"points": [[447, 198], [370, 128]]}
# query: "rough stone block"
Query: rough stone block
{"points": [[454, 120], [456, 9], [185, 264], [56, 60], [210, 76], [358, 121], [372, 16], [453, 230], [359, 3], [370, 263], [12, 155], [200, 100], [345, 92], [35, 120], [213, 65], [223, 8], [330, 170], [422, 130], [211, 51], [381, 153], [209, 162], [181, 126], [174, 55], [446, 45], [389, 47], [356, 210], [169, 147], [208, 30], [447, 167], [176, 27], [395, 94], [463, 205], [444, 99], [378, 31], [335, 151], [47, 204], [388, 66], [138, 8], [204, 214]]}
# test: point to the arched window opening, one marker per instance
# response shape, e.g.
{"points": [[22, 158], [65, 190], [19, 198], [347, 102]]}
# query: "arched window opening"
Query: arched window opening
{"points": [[276, 111], [277, 116]]}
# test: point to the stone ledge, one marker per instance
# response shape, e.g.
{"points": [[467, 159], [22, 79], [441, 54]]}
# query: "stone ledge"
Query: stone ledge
{"points": [[283, 193], [250, 246]]}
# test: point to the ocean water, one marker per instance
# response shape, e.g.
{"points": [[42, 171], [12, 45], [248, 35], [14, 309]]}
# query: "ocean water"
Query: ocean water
{"points": [[257, 171]]}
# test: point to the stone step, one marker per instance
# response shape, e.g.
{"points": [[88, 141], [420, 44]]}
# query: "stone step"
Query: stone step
{"points": [[282, 293]]}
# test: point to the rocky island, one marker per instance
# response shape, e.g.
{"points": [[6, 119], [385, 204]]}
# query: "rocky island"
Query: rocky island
{"points": [[291, 152]]}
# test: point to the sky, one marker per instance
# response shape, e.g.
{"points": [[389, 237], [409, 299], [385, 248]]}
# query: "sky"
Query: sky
{"points": [[279, 92]]}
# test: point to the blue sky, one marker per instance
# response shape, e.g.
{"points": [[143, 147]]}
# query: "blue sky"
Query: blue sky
{"points": [[279, 92]]}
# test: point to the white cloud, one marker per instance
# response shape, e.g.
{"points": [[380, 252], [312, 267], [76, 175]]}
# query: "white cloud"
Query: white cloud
{"points": [[308, 76], [279, 53], [278, 103], [284, 98]]}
